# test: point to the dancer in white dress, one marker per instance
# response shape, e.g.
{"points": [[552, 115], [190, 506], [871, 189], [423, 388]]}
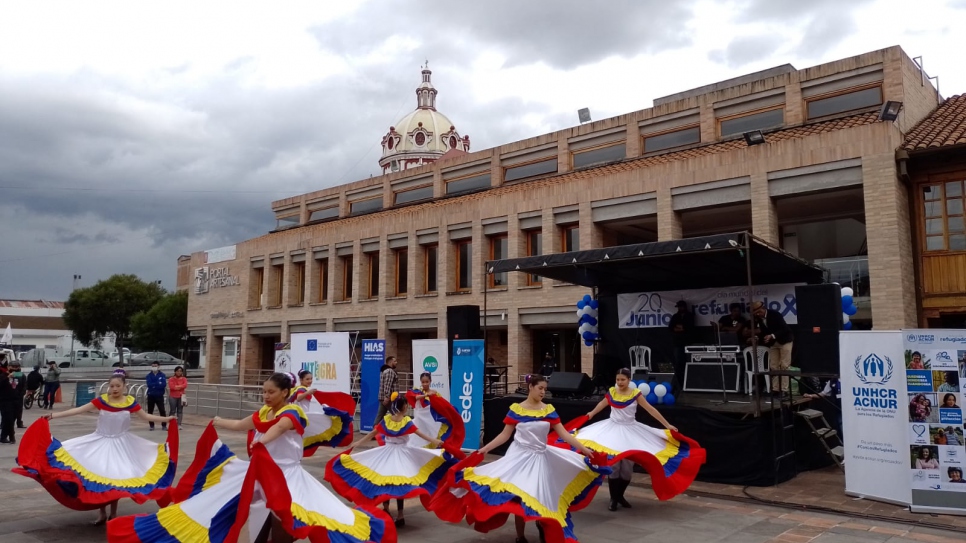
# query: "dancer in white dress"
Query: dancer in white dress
{"points": [[329, 415], [671, 459], [220, 493], [433, 415], [396, 470], [532, 481], [98, 469]]}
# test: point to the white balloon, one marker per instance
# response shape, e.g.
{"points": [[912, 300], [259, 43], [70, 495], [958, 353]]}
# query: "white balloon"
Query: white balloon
{"points": [[847, 291], [845, 318], [660, 391], [585, 327], [580, 313], [645, 388], [632, 384], [591, 311]]}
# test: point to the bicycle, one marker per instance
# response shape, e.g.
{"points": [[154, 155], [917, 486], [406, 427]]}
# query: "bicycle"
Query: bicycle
{"points": [[37, 396]]}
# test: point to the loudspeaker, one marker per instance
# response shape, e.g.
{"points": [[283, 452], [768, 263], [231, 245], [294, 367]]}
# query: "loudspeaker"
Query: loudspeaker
{"points": [[463, 322], [819, 322], [570, 384]]}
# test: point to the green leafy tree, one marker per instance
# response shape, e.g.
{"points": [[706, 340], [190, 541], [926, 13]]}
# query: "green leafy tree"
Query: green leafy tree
{"points": [[108, 308], [164, 327]]}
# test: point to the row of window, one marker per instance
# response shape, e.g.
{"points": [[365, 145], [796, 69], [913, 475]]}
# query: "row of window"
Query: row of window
{"points": [[816, 108], [462, 273], [944, 217]]}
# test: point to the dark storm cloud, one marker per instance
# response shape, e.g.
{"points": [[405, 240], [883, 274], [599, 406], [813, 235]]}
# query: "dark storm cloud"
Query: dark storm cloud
{"points": [[70, 236], [564, 34]]}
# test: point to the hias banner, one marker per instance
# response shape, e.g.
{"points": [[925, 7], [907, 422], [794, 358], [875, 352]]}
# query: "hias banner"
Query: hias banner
{"points": [[467, 391], [873, 380], [430, 356], [935, 367], [373, 358], [326, 355], [654, 309]]}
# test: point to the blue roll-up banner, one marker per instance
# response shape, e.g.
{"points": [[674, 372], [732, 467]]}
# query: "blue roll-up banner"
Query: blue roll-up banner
{"points": [[373, 357], [467, 388]]}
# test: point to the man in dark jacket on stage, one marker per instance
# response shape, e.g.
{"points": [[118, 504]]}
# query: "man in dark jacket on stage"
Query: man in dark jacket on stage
{"points": [[774, 333]]}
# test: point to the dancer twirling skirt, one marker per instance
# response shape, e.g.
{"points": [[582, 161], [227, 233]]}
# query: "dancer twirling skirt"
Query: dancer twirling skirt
{"points": [[98, 469], [433, 415], [329, 415], [272, 493], [671, 459], [397, 469], [535, 482]]}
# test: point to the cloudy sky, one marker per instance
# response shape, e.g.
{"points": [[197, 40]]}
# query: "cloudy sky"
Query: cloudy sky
{"points": [[130, 135]]}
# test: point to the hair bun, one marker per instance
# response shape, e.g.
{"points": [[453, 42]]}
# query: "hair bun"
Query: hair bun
{"points": [[393, 396]]}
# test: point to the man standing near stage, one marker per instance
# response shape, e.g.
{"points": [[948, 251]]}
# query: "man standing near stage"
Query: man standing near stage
{"points": [[774, 333], [682, 328], [388, 381]]}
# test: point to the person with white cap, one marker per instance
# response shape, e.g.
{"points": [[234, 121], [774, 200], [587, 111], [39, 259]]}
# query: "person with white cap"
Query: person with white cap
{"points": [[774, 333]]}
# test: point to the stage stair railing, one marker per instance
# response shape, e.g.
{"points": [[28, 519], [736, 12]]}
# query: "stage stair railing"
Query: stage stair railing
{"points": [[820, 428]]}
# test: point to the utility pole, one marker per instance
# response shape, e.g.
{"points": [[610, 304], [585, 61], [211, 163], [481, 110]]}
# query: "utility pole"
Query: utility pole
{"points": [[77, 279]]}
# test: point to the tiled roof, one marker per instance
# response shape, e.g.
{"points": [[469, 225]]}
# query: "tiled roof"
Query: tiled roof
{"points": [[944, 127], [32, 304], [18, 323], [796, 132]]}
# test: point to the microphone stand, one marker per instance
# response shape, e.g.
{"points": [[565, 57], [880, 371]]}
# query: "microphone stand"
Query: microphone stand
{"points": [[724, 385]]}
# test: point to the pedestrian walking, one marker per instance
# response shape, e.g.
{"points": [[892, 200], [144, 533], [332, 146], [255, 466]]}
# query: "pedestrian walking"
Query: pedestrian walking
{"points": [[176, 398], [19, 382], [8, 411], [157, 383], [51, 384]]}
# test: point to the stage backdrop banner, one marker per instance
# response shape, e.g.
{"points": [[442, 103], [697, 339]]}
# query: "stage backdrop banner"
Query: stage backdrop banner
{"points": [[430, 355], [654, 309], [373, 358], [326, 355], [467, 390], [935, 365], [283, 358], [874, 415]]}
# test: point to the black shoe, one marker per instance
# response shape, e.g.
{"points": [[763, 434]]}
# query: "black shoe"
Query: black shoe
{"points": [[612, 506], [20, 425], [164, 427], [4, 441], [400, 522], [522, 540], [624, 503]]}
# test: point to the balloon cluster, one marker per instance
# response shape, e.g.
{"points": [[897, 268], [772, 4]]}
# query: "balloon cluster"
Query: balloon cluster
{"points": [[658, 394], [587, 320], [848, 307]]}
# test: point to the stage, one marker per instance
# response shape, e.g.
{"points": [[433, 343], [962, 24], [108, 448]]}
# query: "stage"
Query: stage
{"points": [[741, 447]]}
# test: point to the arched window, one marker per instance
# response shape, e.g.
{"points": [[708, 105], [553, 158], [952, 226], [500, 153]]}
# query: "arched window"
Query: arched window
{"points": [[452, 142], [420, 139], [389, 144]]}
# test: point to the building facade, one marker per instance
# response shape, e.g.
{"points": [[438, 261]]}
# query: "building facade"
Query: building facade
{"points": [[384, 257], [35, 324]]}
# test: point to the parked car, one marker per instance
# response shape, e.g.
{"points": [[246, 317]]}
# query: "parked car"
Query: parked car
{"points": [[114, 355], [81, 358], [148, 358]]}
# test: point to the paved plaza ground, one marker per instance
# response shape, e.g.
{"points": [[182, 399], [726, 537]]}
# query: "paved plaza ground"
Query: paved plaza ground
{"points": [[29, 515]]}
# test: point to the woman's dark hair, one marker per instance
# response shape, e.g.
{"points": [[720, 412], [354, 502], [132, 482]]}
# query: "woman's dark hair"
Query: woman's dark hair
{"points": [[916, 353], [179, 368], [398, 405], [535, 379], [119, 376], [626, 372], [427, 375], [925, 450], [947, 396], [303, 373], [282, 381]]}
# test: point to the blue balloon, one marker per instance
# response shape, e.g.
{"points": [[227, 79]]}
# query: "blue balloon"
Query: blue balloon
{"points": [[594, 304], [587, 298], [848, 325], [591, 320], [652, 398], [851, 310], [581, 304], [669, 399], [667, 386], [589, 343], [587, 336], [847, 301]]}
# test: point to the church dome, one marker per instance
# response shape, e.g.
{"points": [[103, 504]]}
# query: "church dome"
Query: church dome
{"points": [[423, 135]]}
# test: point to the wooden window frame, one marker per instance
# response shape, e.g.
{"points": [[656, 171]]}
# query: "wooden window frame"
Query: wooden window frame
{"points": [[833, 94], [426, 251], [299, 273], [372, 278], [395, 276], [645, 137], [491, 277], [259, 286], [531, 282], [323, 280], [456, 246], [279, 280], [940, 181], [596, 148], [348, 262], [564, 228], [719, 120], [532, 177]]}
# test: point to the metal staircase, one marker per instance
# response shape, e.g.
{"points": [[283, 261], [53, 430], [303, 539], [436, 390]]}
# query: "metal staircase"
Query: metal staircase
{"points": [[820, 428]]}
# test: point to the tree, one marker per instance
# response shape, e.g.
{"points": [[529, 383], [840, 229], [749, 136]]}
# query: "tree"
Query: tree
{"points": [[164, 327], [108, 307]]}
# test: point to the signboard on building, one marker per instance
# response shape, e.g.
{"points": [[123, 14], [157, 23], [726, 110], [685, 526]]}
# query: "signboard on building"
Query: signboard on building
{"points": [[654, 309], [373, 358], [221, 254], [283, 358], [467, 390], [935, 366], [430, 356], [207, 278], [874, 415], [326, 355]]}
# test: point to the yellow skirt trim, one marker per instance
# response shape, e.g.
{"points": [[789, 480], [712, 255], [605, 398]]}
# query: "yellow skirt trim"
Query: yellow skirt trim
{"points": [[664, 455], [574, 489], [180, 525], [359, 529], [375, 478], [333, 431], [214, 477], [152, 477]]}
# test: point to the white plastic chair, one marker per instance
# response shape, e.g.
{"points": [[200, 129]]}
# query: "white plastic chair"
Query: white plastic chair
{"points": [[750, 371], [640, 358]]}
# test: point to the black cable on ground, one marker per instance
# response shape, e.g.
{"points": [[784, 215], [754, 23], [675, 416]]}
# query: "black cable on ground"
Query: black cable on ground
{"points": [[821, 509]]}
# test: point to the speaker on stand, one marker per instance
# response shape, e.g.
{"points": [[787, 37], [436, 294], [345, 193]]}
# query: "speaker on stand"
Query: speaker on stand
{"points": [[819, 323], [570, 384]]}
